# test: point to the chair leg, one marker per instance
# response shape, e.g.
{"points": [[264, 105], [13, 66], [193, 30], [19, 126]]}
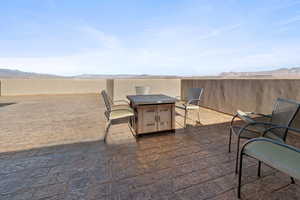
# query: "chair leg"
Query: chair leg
{"points": [[237, 155], [259, 168], [292, 180], [107, 126], [130, 124], [229, 143], [230, 132], [185, 116], [133, 126], [240, 176], [199, 115]]}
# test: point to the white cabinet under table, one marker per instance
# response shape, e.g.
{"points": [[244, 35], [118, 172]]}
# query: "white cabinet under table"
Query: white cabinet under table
{"points": [[153, 113]]}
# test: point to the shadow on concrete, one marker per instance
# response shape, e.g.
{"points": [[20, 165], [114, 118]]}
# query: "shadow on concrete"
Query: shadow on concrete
{"points": [[189, 128], [6, 104]]}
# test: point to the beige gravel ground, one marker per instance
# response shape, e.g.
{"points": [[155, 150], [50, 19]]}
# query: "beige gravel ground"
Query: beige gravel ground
{"points": [[34, 121], [37, 121]]}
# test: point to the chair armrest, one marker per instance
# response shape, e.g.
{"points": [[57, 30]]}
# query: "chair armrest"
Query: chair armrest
{"points": [[245, 115], [270, 141], [233, 118], [279, 127], [116, 101], [118, 109], [260, 114]]}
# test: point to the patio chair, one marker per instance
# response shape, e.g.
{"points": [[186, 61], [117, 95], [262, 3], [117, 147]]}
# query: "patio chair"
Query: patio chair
{"points": [[116, 113], [112, 102], [283, 114], [142, 90], [192, 103], [274, 153]]}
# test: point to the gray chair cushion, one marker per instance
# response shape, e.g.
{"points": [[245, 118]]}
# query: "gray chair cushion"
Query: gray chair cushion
{"points": [[281, 158], [121, 113]]}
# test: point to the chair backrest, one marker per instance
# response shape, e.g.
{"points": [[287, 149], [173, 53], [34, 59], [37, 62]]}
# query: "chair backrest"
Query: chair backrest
{"points": [[107, 100], [194, 93], [285, 111], [141, 90]]}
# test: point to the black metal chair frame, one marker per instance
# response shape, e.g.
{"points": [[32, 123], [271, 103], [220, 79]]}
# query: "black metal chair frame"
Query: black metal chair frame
{"points": [[255, 123], [259, 162]]}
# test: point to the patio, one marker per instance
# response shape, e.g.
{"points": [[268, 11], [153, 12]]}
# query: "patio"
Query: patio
{"points": [[51, 148]]}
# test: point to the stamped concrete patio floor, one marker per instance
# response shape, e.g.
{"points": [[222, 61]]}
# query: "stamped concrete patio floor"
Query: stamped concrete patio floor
{"points": [[52, 148]]}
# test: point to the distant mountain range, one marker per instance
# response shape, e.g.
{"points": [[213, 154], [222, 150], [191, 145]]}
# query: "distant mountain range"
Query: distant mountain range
{"points": [[279, 73], [8, 73], [125, 76], [282, 72]]}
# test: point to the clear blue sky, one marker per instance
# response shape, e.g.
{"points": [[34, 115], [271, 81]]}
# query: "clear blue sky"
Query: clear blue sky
{"points": [[183, 37]]}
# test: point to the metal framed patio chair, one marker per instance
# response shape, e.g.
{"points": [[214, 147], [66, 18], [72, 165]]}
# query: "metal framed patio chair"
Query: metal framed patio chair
{"points": [[285, 111], [142, 90], [278, 155], [192, 103], [114, 102], [116, 113]]}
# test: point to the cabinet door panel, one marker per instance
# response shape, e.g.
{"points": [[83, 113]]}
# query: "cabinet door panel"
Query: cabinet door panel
{"points": [[164, 113], [149, 119]]}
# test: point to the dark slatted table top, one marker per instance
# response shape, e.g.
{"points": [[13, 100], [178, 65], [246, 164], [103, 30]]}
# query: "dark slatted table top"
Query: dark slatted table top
{"points": [[150, 99]]}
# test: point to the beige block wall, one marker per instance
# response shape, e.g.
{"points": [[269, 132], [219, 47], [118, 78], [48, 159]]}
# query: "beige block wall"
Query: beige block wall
{"points": [[228, 95], [123, 87], [110, 87], [12, 87]]}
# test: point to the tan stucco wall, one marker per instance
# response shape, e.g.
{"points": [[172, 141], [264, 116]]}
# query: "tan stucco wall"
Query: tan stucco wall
{"points": [[118, 88], [225, 95], [12, 87], [228, 95], [123, 87]]}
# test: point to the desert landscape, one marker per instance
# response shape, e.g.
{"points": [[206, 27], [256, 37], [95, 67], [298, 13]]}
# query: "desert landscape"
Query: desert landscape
{"points": [[282, 73], [150, 100]]}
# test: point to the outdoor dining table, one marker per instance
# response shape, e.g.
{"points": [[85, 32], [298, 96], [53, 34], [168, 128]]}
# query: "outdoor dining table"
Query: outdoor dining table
{"points": [[153, 113]]}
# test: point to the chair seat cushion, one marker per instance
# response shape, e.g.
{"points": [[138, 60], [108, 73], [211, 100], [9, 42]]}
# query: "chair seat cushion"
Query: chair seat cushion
{"points": [[187, 106], [278, 157], [121, 106], [121, 113], [192, 107]]}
